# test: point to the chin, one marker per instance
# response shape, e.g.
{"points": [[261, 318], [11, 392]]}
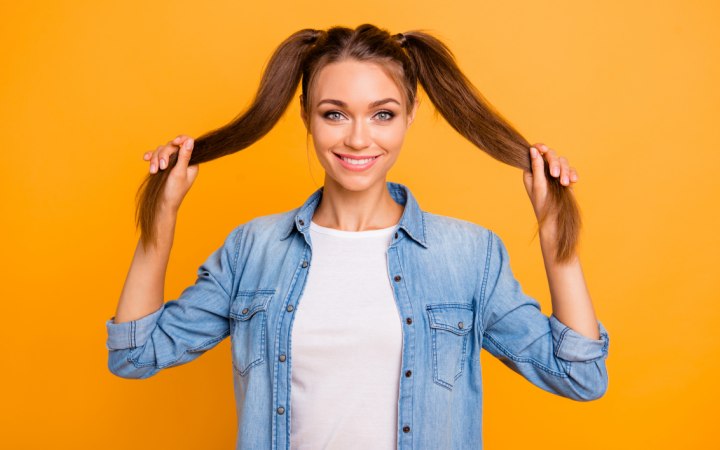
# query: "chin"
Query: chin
{"points": [[358, 184]]}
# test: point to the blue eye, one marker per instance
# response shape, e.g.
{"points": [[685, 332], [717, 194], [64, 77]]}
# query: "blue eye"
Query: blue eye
{"points": [[336, 115], [390, 115], [327, 114]]}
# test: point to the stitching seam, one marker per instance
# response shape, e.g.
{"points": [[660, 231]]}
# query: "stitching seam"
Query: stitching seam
{"points": [[518, 359]]}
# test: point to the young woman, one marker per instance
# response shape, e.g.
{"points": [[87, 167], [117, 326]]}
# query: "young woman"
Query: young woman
{"points": [[357, 319]]}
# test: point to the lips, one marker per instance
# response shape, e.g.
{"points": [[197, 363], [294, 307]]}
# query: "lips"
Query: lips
{"points": [[340, 155], [356, 167]]}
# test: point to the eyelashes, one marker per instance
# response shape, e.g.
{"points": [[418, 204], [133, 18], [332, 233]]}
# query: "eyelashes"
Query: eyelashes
{"points": [[385, 113]]}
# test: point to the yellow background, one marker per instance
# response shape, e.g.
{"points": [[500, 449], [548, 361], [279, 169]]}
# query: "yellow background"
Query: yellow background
{"points": [[627, 91]]}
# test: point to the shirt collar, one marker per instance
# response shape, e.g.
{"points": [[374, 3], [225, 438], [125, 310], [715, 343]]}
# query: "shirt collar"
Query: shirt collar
{"points": [[412, 220]]}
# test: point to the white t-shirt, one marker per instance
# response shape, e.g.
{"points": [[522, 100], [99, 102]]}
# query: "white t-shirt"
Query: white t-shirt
{"points": [[346, 345]]}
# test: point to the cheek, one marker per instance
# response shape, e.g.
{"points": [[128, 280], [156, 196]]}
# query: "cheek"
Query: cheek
{"points": [[326, 136], [390, 137]]}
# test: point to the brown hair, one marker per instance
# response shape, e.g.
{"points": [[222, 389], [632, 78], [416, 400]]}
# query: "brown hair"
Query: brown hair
{"points": [[409, 58]]}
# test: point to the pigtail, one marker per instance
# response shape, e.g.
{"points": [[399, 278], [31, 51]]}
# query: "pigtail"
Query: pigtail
{"points": [[276, 90], [471, 115]]}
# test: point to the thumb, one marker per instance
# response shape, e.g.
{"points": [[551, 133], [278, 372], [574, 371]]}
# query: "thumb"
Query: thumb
{"points": [[185, 154], [538, 169]]}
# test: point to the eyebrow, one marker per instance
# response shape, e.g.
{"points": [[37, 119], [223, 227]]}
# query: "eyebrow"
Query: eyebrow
{"points": [[344, 105]]}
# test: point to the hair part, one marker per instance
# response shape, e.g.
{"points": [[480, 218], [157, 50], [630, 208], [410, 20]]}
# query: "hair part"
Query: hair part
{"points": [[409, 58]]}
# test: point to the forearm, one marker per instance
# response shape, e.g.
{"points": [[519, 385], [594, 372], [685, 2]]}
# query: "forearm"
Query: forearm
{"points": [[571, 302], [143, 291]]}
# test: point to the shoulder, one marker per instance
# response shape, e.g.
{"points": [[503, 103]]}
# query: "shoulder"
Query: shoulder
{"points": [[272, 222], [264, 227], [449, 229]]}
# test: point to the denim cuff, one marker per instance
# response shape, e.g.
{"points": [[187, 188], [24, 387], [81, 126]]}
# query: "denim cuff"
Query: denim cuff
{"points": [[573, 346], [132, 333]]}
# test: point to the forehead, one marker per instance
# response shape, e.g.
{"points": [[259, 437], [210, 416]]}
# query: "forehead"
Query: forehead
{"points": [[356, 82]]}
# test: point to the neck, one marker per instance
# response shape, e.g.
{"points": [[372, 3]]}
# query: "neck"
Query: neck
{"points": [[370, 209]]}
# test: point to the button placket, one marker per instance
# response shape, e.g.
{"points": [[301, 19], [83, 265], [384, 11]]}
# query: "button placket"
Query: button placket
{"points": [[285, 343], [395, 270]]}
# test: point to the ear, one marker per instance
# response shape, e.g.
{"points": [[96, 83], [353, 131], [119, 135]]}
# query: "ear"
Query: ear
{"points": [[411, 116]]}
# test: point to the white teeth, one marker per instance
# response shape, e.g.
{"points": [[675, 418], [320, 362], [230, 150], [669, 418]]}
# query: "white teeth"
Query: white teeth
{"points": [[357, 162]]}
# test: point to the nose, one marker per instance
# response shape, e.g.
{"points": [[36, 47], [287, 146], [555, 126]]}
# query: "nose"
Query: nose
{"points": [[358, 135]]}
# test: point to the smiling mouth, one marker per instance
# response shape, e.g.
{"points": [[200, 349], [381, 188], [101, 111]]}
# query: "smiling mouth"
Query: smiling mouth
{"points": [[355, 160], [355, 164]]}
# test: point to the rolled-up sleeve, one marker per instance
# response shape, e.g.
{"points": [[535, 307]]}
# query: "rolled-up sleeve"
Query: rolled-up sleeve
{"points": [[541, 348], [127, 334], [573, 346], [181, 329]]}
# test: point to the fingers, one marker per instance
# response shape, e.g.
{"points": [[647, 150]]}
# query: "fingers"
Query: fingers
{"points": [[180, 139], [558, 165], [159, 159]]}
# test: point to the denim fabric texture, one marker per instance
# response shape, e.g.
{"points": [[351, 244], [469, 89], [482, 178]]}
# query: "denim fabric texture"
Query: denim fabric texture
{"points": [[454, 290]]}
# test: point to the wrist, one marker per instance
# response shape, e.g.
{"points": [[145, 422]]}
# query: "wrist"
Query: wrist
{"points": [[548, 234], [548, 241], [165, 221], [548, 231], [167, 210]]}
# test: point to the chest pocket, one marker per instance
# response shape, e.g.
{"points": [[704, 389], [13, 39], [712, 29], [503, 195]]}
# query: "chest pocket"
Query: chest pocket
{"points": [[248, 324], [450, 326]]}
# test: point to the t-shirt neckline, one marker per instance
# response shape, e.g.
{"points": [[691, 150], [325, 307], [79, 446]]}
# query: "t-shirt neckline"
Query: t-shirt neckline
{"points": [[345, 233]]}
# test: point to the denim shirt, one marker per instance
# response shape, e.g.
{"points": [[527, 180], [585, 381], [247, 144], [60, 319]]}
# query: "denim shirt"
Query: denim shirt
{"points": [[455, 293]]}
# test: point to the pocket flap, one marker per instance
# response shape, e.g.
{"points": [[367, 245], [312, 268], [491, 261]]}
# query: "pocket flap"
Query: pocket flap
{"points": [[455, 317], [247, 303]]}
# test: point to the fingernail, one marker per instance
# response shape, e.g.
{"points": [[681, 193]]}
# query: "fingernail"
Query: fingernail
{"points": [[162, 163], [544, 147], [574, 177], [152, 167], [565, 180], [556, 171], [189, 143], [533, 152]]}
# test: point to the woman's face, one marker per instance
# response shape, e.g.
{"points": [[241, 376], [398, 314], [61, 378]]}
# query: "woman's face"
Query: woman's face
{"points": [[357, 112]]}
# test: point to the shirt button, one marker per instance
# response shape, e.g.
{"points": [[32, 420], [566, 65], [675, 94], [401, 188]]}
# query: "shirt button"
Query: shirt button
{"points": [[301, 222], [406, 429], [397, 278], [408, 320], [245, 310], [304, 264], [290, 308], [408, 373], [280, 410], [282, 358], [460, 325], [396, 235]]}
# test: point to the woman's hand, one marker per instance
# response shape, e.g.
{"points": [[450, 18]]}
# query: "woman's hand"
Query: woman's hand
{"points": [[536, 184], [181, 175]]}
